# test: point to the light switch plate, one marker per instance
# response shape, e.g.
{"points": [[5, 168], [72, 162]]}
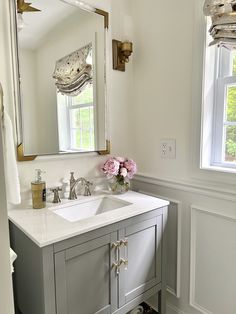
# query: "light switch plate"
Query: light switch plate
{"points": [[168, 148]]}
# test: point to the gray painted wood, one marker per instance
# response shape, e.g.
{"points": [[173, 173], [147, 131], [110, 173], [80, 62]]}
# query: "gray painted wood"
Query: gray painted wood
{"points": [[83, 276], [76, 276], [135, 302], [59, 246], [172, 246], [144, 259], [162, 292], [34, 275]]}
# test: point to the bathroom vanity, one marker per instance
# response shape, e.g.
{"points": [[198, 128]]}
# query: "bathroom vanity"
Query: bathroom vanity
{"points": [[106, 262]]}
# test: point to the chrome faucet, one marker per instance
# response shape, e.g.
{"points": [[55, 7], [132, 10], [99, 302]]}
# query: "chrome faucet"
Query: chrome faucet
{"points": [[73, 184]]}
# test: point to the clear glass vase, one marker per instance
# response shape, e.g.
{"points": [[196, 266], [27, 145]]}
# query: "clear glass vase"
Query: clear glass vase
{"points": [[119, 185]]}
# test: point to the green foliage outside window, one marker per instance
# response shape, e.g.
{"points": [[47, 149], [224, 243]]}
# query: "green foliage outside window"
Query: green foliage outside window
{"points": [[230, 149]]}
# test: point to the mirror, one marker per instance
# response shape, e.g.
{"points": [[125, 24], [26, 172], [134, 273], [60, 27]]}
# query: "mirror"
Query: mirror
{"points": [[61, 52]]}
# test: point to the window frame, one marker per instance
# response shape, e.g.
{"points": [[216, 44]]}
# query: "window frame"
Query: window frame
{"points": [[69, 109], [223, 80], [65, 106]]}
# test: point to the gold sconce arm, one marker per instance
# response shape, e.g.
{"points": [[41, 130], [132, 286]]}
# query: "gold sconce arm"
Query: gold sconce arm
{"points": [[121, 53]]}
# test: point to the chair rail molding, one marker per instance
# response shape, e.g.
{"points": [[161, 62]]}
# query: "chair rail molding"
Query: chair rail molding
{"points": [[201, 188]]}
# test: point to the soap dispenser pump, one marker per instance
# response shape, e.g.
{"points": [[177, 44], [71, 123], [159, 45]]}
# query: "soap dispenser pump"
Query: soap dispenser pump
{"points": [[38, 188]]}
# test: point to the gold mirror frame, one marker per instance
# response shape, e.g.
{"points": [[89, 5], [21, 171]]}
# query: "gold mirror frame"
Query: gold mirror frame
{"points": [[17, 98]]}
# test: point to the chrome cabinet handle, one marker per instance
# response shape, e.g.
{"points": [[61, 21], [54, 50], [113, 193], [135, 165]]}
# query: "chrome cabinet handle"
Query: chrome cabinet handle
{"points": [[116, 244], [116, 264], [125, 259], [124, 242], [119, 261], [117, 267]]}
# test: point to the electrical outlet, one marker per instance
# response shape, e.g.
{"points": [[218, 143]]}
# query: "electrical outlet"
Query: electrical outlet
{"points": [[168, 148]]}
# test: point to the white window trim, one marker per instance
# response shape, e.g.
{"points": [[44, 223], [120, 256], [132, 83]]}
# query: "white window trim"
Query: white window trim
{"points": [[71, 107], [214, 88]]}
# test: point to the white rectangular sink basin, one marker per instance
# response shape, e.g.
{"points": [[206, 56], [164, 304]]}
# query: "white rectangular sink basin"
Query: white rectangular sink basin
{"points": [[88, 208]]}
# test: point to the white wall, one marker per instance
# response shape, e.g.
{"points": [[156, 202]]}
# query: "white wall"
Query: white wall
{"points": [[119, 100], [159, 96], [30, 101], [6, 295], [168, 42], [168, 64]]}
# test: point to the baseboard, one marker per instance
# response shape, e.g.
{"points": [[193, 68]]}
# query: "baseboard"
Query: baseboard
{"points": [[171, 309]]}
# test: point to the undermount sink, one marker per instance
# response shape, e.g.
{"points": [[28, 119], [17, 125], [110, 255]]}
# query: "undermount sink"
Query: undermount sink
{"points": [[88, 208]]}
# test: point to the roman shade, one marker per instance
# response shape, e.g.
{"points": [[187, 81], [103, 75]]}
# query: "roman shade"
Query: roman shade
{"points": [[223, 16], [74, 71]]}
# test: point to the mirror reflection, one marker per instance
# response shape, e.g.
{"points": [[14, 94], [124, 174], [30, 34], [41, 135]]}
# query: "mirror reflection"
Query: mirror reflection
{"points": [[61, 50]]}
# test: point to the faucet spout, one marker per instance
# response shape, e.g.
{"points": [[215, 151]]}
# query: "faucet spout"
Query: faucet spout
{"points": [[73, 184]]}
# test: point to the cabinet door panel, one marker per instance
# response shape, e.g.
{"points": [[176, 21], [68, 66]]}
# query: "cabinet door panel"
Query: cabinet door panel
{"points": [[84, 279], [144, 259]]}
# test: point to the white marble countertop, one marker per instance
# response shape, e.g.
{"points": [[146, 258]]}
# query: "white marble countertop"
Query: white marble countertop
{"points": [[44, 227]]}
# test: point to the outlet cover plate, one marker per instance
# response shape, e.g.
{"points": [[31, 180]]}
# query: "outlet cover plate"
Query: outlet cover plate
{"points": [[168, 148]]}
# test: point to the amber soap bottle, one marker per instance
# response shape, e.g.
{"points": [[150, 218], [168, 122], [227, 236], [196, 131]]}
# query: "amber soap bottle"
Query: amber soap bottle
{"points": [[38, 188]]}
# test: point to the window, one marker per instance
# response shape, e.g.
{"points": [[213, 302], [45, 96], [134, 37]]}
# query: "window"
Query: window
{"points": [[224, 132], [218, 143], [78, 120]]}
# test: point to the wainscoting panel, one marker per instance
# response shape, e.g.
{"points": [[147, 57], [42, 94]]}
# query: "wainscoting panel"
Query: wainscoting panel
{"points": [[173, 245], [173, 248], [212, 262]]}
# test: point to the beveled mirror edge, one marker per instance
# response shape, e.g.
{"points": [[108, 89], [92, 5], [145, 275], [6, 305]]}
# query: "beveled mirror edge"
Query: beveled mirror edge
{"points": [[15, 72]]}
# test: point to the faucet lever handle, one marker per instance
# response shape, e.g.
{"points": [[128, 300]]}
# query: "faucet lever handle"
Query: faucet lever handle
{"points": [[56, 198], [87, 185]]}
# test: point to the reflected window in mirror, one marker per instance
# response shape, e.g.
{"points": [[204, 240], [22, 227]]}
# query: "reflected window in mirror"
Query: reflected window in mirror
{"points": [[80, 124]]}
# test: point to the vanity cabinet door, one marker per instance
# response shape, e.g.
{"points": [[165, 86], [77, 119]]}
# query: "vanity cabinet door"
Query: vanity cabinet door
{"points": [[85, 282], [143, 253]]}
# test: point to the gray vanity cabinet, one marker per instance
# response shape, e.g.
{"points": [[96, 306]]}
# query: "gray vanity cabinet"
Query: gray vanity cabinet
{"points": [[105, 271], [84, 282], [143, 254]]}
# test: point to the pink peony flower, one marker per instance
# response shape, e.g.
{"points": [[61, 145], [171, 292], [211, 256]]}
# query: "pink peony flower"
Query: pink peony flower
{"points": [[123, 172], [120, 159], [111, 167], [119, 167], [131, 167]]}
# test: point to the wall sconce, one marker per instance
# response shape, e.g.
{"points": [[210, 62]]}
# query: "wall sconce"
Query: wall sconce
{"points": [[121, 53]]}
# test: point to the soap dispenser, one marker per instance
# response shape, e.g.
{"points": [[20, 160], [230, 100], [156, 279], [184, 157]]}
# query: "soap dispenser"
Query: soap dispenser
{"points": [[38, 188]]}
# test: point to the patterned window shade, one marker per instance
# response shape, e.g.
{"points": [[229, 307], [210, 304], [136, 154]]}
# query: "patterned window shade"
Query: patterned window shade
{"points": [[223, 16], [74, 72]]}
